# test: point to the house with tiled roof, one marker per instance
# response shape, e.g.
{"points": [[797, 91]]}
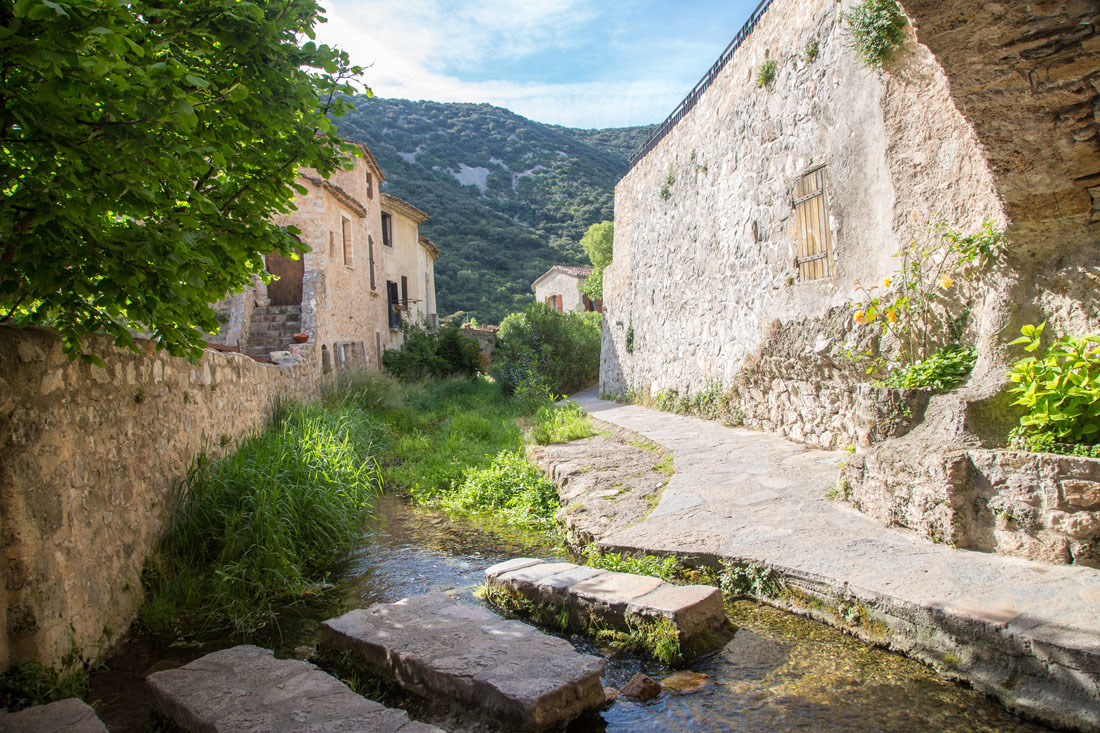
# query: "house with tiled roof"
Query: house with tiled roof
{"points": [[409, 263], [562, 288]]}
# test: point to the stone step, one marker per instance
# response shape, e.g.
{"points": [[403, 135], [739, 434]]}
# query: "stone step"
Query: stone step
{"points": [[276, 309], [610, 598], [247, 689], [66, 716], [469, 656]]}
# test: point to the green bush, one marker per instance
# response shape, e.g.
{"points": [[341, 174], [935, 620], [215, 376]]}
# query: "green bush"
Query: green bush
{"points": [[446, 353], [560, 424], [876, 30], [942, 371], [1060, 389], [559, 350], [264, 525], [510, 487]]}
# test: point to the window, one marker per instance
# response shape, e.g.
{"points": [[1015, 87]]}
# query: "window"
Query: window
{"points": [[370, 258], [815, 247], [387, 230], [370, 185], [346, 229], [393, 303], [554, 301], [405, 291]]}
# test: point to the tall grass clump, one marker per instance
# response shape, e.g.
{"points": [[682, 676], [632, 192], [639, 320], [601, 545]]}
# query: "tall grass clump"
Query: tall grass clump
{"points": [[259, 528], [560, 424]]}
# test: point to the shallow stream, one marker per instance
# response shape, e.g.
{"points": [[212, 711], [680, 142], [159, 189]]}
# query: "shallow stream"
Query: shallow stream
{"points": [[779, 672]]}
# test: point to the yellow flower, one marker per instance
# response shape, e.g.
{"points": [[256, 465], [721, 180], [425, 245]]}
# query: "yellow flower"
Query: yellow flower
{"points": [[886, 282], [861, 317], [892, 316], [946, 282]]}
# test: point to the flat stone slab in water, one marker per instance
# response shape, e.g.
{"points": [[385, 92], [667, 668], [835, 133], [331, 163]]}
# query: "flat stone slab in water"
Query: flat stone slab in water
{"points": [[247, 690], [611, 597], [66, 716], [469, 656]]}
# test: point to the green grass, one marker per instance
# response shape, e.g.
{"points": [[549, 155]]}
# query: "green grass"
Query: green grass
{"points": [[511, 487], [560, 424], [261, 527], [665, 568], [30, 683]]}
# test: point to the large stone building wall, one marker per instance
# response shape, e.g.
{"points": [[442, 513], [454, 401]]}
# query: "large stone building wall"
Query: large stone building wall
{"points": [[89, 458]]}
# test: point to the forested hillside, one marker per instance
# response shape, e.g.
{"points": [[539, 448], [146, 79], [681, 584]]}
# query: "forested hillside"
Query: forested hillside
{"points": [[508, 197]]}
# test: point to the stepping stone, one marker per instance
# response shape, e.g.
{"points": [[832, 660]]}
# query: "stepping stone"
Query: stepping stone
{"points": [[66, 716], [611, 598], [470, 657], [247, 690]]}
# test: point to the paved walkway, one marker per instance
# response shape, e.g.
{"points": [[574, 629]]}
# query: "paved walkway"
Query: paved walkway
{"points": [[1026, 632]]}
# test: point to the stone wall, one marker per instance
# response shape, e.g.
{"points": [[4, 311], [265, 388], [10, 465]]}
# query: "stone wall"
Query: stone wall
{"points": [[1042, 507], [705, 243], [89, 457]]}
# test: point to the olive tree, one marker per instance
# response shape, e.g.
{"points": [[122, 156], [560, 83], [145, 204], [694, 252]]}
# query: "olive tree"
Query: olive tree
{"points": [[144, 146]]}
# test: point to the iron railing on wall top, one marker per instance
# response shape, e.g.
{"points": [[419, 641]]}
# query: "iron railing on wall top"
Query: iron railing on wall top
{"points": [[689, 101]]}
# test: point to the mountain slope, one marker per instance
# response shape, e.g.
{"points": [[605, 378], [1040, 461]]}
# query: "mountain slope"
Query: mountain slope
{"points": [[508, 197]]}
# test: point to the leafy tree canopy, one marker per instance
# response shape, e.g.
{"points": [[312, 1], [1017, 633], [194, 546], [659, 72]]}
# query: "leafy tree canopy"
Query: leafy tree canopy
{"points": [[144, 147], [597, 244]]}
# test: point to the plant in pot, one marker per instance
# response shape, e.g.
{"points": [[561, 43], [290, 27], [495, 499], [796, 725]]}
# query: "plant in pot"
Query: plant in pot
{"points": [[301, 337]]}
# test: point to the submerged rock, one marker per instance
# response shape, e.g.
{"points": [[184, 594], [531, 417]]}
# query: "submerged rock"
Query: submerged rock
{"points": [[641, 688]]}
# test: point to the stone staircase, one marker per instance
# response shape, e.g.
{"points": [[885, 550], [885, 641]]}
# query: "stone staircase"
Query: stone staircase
{"points": [[272, 328]]}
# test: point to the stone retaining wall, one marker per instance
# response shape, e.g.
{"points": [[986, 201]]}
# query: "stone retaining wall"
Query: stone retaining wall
{"points": [[89, 457], [1038, 506]]}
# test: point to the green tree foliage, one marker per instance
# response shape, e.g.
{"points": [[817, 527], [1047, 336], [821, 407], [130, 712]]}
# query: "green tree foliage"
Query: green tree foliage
{"points": [[445, 353], [598, 244], [558, 351], [876, 30], [544, 186], [144, 147]]}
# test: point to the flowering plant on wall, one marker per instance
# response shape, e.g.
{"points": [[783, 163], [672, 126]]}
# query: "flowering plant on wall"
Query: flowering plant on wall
{"points": [[917, 308]]}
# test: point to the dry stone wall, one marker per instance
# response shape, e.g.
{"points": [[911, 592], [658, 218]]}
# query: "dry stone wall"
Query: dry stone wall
{"points": [[89, 457], [704, 270]]}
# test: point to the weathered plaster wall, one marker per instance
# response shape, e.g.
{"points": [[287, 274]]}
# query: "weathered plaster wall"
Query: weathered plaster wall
{"points": [[88, 459], [565, 285], [401, 260], [707, 278]]}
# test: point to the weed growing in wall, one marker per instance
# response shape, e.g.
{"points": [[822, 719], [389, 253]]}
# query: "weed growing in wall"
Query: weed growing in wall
{"points": [[629, 340], [766, 74], [876, 30], [665, 568], [812, 50], [670, 180], [1060, 389], [943, 370]]}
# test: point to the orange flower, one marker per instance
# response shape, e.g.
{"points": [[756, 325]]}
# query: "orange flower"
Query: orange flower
{"points": [[886, 282], [892, 316], [946, 282], [861, 317]]}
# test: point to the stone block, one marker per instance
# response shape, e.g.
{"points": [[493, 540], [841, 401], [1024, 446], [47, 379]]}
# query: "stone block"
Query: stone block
{"points": [[246, 690], [693, 608], [66, 716], [438, 649], [608, 594], [509, 565]]}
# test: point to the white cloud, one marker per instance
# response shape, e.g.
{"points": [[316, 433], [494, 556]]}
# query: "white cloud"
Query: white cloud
{"points": [[421, 49]]}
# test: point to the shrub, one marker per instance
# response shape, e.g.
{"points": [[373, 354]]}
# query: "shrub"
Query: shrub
{"points": [[876, 30], [511, 487], [1060, 389], [559, 350], [263, 525], [560, 424], [943, 370], [446, 353]]}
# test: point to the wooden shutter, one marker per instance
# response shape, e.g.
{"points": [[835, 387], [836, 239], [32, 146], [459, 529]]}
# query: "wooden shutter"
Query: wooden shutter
{"points": [[346, 229], [815, 247]]}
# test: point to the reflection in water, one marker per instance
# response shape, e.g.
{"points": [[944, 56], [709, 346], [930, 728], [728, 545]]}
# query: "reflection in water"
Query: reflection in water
{"points": [[779, 672]]}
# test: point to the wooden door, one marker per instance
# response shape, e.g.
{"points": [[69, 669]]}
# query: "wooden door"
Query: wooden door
{"points": [[287, 290]]}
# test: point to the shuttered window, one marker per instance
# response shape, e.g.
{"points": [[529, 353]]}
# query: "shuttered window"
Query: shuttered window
{"points": [[346, 232], [815, 246]]}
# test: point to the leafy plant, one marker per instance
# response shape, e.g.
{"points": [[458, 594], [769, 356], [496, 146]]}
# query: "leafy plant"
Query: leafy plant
{"points": [[812, 50], [560, 351], [876, 30], [146, 148], [1060, 388], [28, 683], [511, 487], [598, 244], [914, 306], [943, 370], [629, 340], [665, 568], [560, 424], [445, 353], [752, 579], [766, 74]]}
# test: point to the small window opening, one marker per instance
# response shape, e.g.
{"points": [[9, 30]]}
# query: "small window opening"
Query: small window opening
{"points": [[370, 185], [405, 291], [387, 230]]}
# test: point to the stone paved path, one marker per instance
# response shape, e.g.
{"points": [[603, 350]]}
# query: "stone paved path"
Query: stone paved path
{"points": [[1025, 632]]}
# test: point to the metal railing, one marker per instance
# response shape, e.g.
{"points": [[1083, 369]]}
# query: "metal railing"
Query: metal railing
{"points": [[689, 101]]}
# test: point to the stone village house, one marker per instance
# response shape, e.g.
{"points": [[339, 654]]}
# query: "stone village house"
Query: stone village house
{"points": [[367, 272], [748, 216], [561, 287]]}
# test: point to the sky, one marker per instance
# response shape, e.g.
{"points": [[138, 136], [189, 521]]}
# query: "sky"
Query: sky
{"points": [[579, 63]]}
